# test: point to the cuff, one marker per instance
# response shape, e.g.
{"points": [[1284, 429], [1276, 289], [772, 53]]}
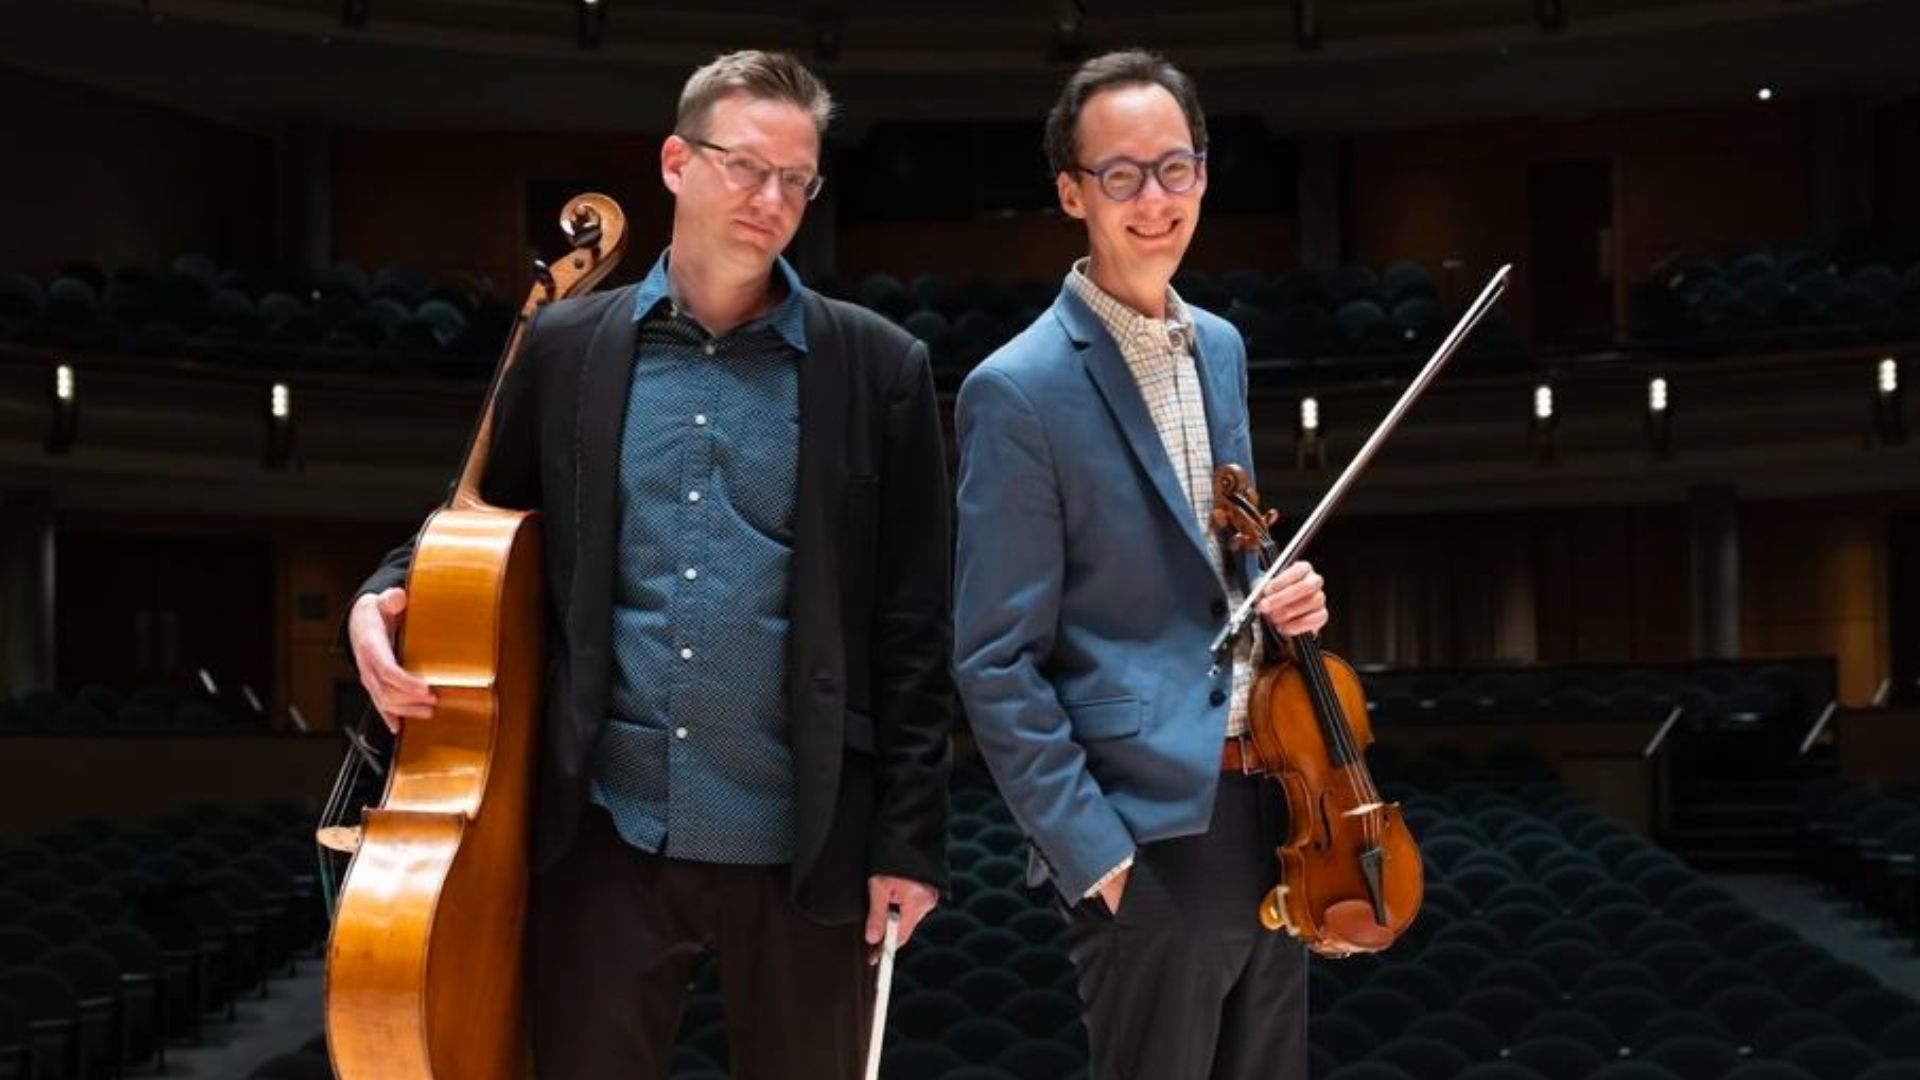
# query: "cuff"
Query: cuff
{"points": [[1126, 864]]}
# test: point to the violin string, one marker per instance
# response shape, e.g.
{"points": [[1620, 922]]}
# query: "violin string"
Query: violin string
{"points": [[1326, 700]]}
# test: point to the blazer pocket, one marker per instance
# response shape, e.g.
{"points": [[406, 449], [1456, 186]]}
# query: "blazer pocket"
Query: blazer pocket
{"points": [[1105, 718]]}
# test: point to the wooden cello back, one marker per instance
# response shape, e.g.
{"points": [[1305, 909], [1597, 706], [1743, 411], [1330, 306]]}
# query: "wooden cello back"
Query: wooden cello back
{"points": [[424, 961]]}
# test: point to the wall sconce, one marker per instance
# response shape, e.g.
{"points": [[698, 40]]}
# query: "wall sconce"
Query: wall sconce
{"points": [[1889, 418], [64, 411], [593, 22], [1541, 433], [1309, 449], [1659, 418], [279, 452]]}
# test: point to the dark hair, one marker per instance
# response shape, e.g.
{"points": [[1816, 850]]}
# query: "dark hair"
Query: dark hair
{"points": [[1132, 67]]}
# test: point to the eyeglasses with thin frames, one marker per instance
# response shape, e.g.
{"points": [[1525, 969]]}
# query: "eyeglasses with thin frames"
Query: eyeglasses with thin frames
{"points": [[1122, 179], [746, 171]]}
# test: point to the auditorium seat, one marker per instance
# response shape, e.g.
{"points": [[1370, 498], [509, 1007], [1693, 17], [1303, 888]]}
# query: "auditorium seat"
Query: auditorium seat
{"points": [[1634, 1070], [1500, 1070], [1423, 1057], [1832, 1057], [1039, 1059], [1556, 1055], [52, 1008], [1893, 1070]]}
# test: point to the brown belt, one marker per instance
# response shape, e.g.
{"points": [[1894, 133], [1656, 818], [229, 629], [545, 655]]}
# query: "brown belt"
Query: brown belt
{"points": [[1238, 756]]}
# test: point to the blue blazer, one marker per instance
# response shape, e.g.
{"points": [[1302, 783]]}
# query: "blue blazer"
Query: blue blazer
{"points": [[1084, 597]]}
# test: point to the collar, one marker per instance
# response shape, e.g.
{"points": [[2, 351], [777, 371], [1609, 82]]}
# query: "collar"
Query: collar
{"points": [[1131, 329], [788, 319]]}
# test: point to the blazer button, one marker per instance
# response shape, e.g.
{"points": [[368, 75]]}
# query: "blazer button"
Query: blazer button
{"points": [[1219, 609], [1218, 697]]}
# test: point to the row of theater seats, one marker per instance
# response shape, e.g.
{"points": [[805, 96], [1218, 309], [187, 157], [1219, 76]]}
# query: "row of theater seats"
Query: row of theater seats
{"points": [[1553, 945], [1347, 321], [96, 710], [116, 940], [1716, 696], [1350, 321], [340, 320], [1794, 297], [1864, 845]]}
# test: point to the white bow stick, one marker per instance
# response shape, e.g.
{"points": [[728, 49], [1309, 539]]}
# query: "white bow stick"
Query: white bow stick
{"points": [[887, 948]]}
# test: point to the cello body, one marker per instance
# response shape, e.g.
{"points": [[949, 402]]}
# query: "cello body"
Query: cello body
{"points": [[425, 958], [424, 964]]}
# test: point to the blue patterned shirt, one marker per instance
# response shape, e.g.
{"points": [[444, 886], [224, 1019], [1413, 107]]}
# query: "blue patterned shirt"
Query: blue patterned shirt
{"points": [[696, 762]]}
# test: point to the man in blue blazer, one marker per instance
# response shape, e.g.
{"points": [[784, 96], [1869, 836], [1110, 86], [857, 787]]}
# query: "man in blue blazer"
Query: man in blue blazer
{"points": [[1090, 583]]}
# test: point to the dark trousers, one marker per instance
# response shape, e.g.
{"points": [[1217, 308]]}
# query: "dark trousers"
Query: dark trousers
{"points": [[615, 934], [1183, 983]]}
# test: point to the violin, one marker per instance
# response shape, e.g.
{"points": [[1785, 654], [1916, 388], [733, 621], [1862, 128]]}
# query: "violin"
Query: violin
{"points": [[1351, 880]]}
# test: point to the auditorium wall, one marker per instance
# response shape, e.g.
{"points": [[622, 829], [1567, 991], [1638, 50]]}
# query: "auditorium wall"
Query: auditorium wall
{"points": [[1682, 180], [118, 182], [1578, 585], [1815, 580], [486, 204], [1611, 584]]}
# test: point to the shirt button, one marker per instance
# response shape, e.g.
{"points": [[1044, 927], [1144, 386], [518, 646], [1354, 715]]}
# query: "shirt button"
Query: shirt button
{"points": [[687, 654], [1218, 697], [708, 348], [692, 573], [679, 733], [699, 419], [693, 496]]}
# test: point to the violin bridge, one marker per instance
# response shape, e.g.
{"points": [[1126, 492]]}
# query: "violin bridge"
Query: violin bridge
{"points": [[1370, 861]]}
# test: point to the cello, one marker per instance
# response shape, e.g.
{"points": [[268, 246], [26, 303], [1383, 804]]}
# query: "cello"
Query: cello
{"points": [[1351, 878], [423, 973]]}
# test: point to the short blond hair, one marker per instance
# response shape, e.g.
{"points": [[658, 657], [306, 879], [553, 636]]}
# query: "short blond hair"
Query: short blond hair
{"points": [[764, 76]]}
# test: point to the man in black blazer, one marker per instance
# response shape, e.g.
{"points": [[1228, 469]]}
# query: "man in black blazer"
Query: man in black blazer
{"points": [[745, 742]]}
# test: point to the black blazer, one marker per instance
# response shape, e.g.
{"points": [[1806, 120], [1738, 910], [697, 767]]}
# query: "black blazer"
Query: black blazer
{"points": [[869, 693]]}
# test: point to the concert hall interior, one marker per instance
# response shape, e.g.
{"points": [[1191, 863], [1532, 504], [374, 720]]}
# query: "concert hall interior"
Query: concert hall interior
{"points": [[1633, 590]]}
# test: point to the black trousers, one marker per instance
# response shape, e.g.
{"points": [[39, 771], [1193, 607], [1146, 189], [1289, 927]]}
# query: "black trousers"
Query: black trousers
{"points": [[1183, 983], [615, 934]]}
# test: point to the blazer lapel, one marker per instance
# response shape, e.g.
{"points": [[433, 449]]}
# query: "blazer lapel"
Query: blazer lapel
{"points": [[600, 415], [814, 648], [1224, 413], [1114, 379], [1221, 414], [817, 495]]}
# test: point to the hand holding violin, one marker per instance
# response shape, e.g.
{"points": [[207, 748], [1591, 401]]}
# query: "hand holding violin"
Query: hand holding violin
{"points": [[1295, 601]]}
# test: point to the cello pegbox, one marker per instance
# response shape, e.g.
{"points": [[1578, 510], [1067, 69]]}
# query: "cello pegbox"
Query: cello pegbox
{"points": [[582, 227]]}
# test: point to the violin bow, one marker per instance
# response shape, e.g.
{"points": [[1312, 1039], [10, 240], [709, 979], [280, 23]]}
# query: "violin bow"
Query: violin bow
{"points": [[888, 948], [1242, 615]]}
